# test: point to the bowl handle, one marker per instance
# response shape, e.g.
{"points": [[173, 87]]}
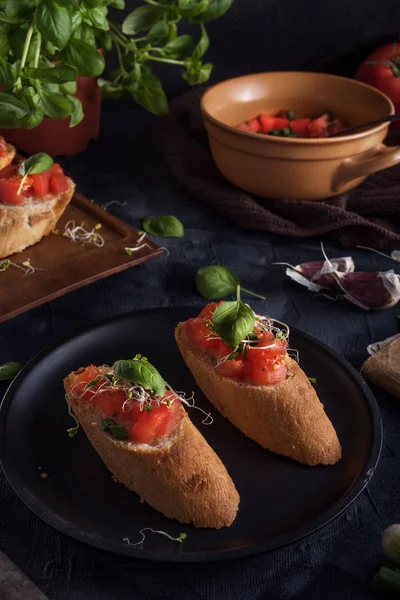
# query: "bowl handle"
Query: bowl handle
{"points": [[354, 168]]}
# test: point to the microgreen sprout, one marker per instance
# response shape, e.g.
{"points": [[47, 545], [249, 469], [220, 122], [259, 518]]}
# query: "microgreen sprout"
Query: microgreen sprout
{"points": [[4, 264], [313, 380], [78, 234], [179, 539], [395, 255], [117, 202], [26, 266]]}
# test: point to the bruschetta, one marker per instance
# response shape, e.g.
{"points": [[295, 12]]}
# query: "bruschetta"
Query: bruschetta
{"points": [[259, 388], [30, 206], [144, 436]]}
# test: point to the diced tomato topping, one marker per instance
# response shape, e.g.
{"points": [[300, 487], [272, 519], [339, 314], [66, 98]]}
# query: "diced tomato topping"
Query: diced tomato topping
{"points": [[254, 125], [81, 380], [282, 114], [58, 181], [300, 127], [266, 374], [157, 422], [173, 416], [243, 127], [9, 191], [223, 349], [200, 334], [319, 127], [233, 369], [281, 123], [268, 347], [335, 126], [41, 184], [110, 401], [36, 185], [209, 310], [267, 123]]}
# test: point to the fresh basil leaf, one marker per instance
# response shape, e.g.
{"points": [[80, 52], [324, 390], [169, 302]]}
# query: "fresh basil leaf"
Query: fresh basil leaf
{"points": [[11, 107], [141, 18], [158, 33], [58, 74], [233, 321], [168, 226], [105, 40], [76, 18], [68, 88], [216, 282], [19, 9], [9, 370], [31, 96], [216, 9], [179, 47], [172, 32], [148, 92], [97, 18], [94, 3], [142, 373], [119, 4], [77, 112], [203, 44], [54, 23], [56, 106], [8, 74], [118, 432], [38, 163], [196, 74], [88, 60], [106, 423], [193, 8], [85, 33], [4, 44], [32, 120], [17, 39], [110, 89]]}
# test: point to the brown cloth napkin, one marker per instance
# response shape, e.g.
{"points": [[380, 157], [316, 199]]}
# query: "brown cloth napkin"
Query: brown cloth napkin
{"points": [[368, 215]]}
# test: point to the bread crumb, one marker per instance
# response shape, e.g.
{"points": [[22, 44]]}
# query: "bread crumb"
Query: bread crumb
{"points": [[43, 475]]}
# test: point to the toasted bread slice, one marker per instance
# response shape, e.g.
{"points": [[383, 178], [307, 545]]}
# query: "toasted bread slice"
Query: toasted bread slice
{"points": [[182, 477], [286, 418], [24, 225], [7, 160], [383, 368]]}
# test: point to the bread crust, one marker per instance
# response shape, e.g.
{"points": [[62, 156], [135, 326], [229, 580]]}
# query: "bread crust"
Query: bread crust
{"points": [[383, 368], [286, 418], [183, 478], [24, 225], [7, 160]]}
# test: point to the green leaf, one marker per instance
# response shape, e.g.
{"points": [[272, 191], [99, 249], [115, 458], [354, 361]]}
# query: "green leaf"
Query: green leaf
{"points": [[38, 163], [105, 40], [148, 92], [118, 432], [77, 112], [68, 88], [76, 19], [193, 8], [203, 44], [54, 23], [119, 4], [233, 321], [179, 47], [11, 107], [141, 18], [110, 89], [56, 106], [85, 33], [216, 9], [97, 18], [84, 57], [168, 226], [31, 96], [216, 282], [8, 74], [58, 74], [196, 74], [32, 120], [9, 370], [158, 33], [142, 373], [17, 39], [4, 45]]}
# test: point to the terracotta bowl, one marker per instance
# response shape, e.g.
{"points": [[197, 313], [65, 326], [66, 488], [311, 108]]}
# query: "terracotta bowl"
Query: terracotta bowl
{"points": [[304, 169]]}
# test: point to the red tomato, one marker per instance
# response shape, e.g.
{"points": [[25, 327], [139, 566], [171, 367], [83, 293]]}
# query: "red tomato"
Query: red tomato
{"points": [[384, 75], [209, 310], [234, 369], [335, 126], [9, 191], [266, 374], [254, 125], [281, 123], [111, 401], [199, 334], [223, 349], [318, 128], [41, 184], [81, 380], [266, 349], [149, 424], [243, 127], [299, 127], [174, 415], [282, 114], [266, 122]]}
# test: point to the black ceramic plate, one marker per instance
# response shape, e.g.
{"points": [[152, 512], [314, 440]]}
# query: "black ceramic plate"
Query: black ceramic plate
{"points": [[281, 501]]}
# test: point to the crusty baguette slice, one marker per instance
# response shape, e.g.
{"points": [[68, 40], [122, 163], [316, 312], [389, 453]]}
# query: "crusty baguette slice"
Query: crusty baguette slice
{"points": [[383, 368], [286, 418], [7, 160], [25, 225], [182, 478]]}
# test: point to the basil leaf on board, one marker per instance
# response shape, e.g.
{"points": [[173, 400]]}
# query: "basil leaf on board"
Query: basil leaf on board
{"points": [[86, 58], [57, 74], [77, 111], [216, 282], [203, 44], [148, 92], [54, 23], [37, 163], [8, 74], [179, 47], [233, 321], [11, 107], [168, 226], [56, 106], [158, 33], [9, 370], [216, 9], [97, 18], [142, 373], [141, 18]]}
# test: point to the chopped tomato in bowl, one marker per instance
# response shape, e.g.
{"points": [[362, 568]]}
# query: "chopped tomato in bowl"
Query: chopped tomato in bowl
{"points": [[258, 360]]}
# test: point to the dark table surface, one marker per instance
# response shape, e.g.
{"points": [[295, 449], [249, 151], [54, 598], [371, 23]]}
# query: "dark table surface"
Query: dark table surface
{"points": [[336, 562]]}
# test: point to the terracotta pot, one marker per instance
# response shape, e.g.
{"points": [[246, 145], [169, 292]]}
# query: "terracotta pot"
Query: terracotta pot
{"points": [[304, 169], [55, 136]]}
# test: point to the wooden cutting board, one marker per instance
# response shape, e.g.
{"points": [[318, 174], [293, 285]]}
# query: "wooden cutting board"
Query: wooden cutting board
{"points": [[66, 266]]}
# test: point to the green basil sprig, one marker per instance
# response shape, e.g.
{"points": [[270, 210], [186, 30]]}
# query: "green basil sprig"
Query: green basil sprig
{"points": [[168, 226], [233, 321], [216, 282], [9, 370], [37, 163], [140, 372]]}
